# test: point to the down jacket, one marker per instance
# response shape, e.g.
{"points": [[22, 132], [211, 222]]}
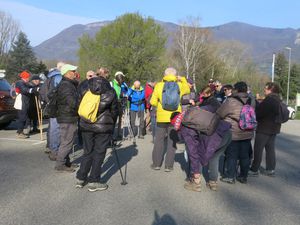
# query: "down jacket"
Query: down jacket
{"points": [[163, 116], [230, 111], [108, 108], [67, 101]]}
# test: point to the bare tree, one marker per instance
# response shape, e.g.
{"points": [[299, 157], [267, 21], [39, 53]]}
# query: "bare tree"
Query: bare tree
{"points": [[9, 30], [191, 42]]}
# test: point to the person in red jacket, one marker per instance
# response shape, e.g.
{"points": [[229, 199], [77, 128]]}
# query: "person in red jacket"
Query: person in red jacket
{"points": [[150, 111]]}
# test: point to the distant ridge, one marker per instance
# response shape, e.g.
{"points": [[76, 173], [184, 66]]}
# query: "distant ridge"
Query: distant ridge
{"points": [[261, 41]]}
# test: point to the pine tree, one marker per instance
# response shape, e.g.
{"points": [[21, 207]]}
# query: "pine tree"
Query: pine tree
{"points": [[281, 72], [21, 57], [294, 81]]}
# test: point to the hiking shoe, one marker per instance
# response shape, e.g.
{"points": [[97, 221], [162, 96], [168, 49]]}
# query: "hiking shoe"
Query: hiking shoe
{"points": [[22, 136], [80, 183], [212, 185], [252, 173], [168, 169], [52, 156], [270, 173], [72, 165], [92, 187], [242, 180], [47, 150], [192, 186], [64, 168], [155, 167], [227, 180]]}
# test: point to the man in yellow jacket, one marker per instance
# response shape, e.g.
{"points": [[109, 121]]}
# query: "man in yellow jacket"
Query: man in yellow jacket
{"points": [[164, 127]]}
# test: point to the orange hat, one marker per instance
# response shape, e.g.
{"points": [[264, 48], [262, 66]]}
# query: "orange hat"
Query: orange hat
{"points": [[24, 75]]}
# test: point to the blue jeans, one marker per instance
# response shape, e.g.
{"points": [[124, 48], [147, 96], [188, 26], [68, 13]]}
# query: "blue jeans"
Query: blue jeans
{"points": [[54, 135], [238, 150]]}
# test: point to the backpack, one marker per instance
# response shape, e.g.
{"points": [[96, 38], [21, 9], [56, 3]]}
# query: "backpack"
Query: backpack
{"points": [[51, 108], [44, 90], [201, 120], [170, 96], [88, 108], [283, 113], [247, 120]]}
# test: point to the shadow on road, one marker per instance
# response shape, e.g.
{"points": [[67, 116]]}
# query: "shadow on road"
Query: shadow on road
{"points": [[110, 166], [164, 220]]}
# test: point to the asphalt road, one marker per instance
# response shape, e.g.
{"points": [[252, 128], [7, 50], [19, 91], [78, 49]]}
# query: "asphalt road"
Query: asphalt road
{"points": [[32, 193]]}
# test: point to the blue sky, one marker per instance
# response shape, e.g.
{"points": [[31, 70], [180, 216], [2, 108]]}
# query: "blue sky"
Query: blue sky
{"points": [[41, 20]]}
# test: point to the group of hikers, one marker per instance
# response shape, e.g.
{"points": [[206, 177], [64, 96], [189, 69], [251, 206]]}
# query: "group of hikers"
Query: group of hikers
{"points": [[220, 120]]}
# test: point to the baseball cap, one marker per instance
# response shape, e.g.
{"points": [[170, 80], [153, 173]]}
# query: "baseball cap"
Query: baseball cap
{"points": [[67, 67], [119, 73]]}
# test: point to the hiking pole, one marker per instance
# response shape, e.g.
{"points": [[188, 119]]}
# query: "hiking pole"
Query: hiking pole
{"points": [[118, 162], [39, 116]]}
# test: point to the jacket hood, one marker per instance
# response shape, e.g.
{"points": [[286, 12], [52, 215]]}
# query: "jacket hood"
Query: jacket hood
{"points": [[53, 73], [170, 78], [99, 85], [141, 88], [242, 95]]}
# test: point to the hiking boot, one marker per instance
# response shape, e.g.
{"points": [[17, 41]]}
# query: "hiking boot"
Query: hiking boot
{"points": [[252, 173], [154, 167], [72, 165], [212, 185], [64, 168], [242, 180], [47, 150], [192, 186], [52, 156], [168, 169], [270, 173], [227, 180], [34, 131], [80, 183], [22, 136], [92, 187]]}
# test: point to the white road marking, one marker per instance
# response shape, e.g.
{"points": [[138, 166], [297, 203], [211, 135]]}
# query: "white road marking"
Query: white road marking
{"points": [[36, 142]]}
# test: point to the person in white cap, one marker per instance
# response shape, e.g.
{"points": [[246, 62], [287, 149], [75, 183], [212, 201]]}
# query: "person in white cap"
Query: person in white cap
{"points": [[67, 117]]}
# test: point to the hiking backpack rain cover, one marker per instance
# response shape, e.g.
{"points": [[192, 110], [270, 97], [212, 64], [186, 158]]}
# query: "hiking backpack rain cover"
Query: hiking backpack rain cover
{"points": [[88, 108], [170, 96]]}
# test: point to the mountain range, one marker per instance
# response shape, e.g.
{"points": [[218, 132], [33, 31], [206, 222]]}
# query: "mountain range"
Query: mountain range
{"points": [[261, 42]]}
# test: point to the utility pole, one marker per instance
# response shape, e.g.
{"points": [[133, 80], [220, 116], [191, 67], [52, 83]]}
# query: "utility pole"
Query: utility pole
{"points": [[289, 74]]}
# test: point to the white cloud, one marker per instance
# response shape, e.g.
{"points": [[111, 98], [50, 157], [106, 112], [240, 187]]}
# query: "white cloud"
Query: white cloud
{"points": [[39, 24]]}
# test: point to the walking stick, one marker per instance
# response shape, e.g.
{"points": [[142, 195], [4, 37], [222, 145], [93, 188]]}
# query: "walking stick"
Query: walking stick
{"points": [[39, 116], [118, 162]]}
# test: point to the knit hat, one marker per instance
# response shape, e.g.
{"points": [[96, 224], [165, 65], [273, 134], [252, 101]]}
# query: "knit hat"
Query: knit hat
{"points": [[35, 77], [24, 75]]}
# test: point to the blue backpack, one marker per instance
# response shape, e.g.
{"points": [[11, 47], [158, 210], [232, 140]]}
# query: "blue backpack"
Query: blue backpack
{"points": [[170, 96]]}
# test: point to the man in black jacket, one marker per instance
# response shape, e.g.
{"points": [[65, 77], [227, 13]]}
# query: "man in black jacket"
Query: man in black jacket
{"points": [[97, 136], [67, 117]]}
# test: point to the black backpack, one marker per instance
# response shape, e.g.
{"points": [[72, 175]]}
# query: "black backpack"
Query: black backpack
{"points": [[283, 114], [50, 109], [44, 90]]}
